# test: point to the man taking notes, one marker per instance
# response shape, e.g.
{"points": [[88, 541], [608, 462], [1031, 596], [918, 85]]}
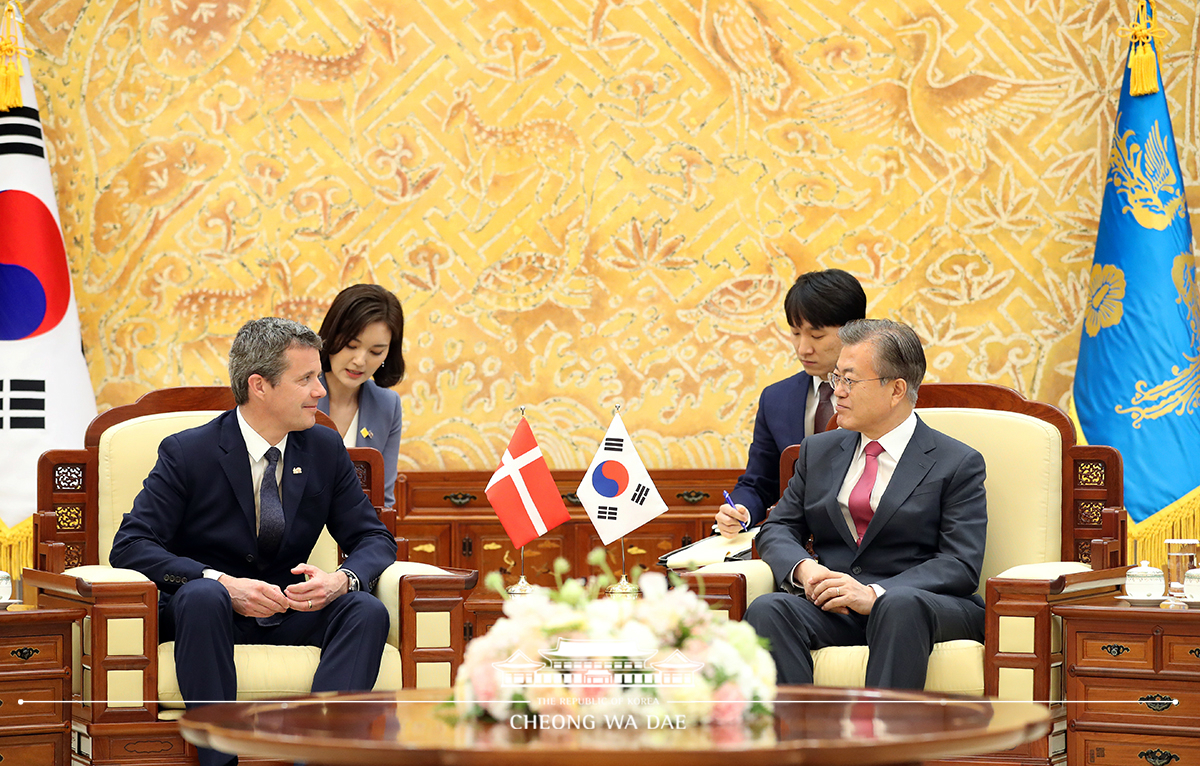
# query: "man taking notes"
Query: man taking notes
{"points": [[898, 520], [816, 305], [232, 510]]}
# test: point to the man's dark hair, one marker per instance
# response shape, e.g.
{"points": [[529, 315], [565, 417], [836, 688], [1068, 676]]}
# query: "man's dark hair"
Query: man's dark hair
{"points": [[260, 348], [829, 298]]}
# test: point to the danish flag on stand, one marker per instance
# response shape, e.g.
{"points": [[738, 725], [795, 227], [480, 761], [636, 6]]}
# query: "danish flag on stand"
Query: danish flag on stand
{"points": [[522, 491]]}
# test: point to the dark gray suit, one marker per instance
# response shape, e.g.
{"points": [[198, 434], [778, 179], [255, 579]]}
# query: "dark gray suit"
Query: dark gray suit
{"points": [[924, 546]]}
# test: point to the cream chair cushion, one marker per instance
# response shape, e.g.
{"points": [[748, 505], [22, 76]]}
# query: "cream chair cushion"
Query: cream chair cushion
{"points": [[1023, 455], [270, 672], [127, 453]]}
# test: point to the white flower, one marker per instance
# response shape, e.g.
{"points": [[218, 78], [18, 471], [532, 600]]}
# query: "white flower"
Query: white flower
{"points": [[734, 665], [653, 585]]}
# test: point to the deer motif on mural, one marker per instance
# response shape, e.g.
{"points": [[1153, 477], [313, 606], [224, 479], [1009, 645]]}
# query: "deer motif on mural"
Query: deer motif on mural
{"points": [[545, 146], [290, 75]]}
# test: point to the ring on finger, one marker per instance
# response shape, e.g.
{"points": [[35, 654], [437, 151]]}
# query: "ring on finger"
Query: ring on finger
{"points": [[310, 603]]}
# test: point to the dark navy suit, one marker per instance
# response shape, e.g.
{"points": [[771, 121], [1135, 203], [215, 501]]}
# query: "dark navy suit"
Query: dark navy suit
{"points": [[196, 512], [924, 546], [778, 425]]}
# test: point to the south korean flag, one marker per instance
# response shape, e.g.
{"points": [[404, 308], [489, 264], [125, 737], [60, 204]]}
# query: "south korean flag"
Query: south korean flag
{"points": [[46, 397], [617, 492]]}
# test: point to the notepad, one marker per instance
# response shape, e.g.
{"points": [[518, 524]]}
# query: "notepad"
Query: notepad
{"points": [[711, 550]]}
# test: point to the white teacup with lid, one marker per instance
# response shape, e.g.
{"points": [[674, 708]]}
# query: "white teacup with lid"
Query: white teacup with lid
{"points": [[1145, 581], [1191, 585]]}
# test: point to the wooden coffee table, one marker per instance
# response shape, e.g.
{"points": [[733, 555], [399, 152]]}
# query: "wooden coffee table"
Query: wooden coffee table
{"points": [[811, 726]]}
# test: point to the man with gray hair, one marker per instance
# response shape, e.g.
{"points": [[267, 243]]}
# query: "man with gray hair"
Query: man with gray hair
{"points": [[898, 520], [229, 515]]}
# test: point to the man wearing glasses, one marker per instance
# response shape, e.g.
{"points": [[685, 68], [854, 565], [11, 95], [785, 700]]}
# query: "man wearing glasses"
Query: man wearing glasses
{"points": [[898, 519]]}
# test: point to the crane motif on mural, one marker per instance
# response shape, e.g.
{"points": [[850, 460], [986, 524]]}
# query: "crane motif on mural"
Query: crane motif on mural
{"points": [[737, 37], [951, 121]]}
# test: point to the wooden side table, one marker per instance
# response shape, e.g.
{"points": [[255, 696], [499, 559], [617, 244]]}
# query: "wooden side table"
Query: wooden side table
{"points": [[1132, 684], [35, 686]]}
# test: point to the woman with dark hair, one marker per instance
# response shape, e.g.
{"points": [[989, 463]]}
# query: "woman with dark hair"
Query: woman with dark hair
{"points": [[362, 360]]}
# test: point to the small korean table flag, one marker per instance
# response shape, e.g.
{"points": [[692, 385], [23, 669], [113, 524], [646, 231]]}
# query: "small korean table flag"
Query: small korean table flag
{"points": [[617, 492], [522, 491]]}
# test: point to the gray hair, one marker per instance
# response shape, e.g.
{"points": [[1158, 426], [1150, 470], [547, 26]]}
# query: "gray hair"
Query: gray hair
{"points": [[898, 354], [260, 348]]}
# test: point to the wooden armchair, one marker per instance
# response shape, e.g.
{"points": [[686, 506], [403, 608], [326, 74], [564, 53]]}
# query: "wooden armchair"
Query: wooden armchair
{"points": [[1056, 533], [125, 693]]}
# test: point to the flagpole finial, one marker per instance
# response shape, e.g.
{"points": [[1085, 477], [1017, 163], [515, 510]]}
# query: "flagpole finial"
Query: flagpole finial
{"points": [[10, 56], [617, 409], [522, 410], [1143, 63]]}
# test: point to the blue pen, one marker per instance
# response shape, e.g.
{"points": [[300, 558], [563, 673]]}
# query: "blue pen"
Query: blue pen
{"points": [[729, 501]]}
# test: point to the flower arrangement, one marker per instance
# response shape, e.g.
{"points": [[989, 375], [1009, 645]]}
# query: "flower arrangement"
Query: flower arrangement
{"points": [[566, 652]]}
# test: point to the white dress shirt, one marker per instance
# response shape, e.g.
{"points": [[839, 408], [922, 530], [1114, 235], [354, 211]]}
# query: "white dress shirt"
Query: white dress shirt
{"points": [[351, 437], [894, 443], [256, 452]]}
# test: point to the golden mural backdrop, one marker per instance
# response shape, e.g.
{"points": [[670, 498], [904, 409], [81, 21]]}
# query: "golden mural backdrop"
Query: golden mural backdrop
{"points": [[586, 203]]}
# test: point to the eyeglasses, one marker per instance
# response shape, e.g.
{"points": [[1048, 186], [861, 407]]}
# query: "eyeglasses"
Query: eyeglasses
{"points": [[836, 380]]}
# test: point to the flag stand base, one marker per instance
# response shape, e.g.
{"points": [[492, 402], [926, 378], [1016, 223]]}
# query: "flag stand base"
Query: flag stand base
{"points": [[623, 589], [520, 588]]}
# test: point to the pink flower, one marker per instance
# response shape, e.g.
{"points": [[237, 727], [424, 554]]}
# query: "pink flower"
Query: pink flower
{"points": [[483, 680], [730, 704]]}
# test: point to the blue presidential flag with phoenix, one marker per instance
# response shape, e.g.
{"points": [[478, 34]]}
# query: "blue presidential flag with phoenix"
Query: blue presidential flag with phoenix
{"points": [[1137, 383]]}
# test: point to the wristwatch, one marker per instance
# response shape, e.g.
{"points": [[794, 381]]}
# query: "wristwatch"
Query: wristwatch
{"points": [[351, 580]]}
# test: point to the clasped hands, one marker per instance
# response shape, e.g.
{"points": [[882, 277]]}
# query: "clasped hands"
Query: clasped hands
{"points": [[833, 591], [255, 598]]}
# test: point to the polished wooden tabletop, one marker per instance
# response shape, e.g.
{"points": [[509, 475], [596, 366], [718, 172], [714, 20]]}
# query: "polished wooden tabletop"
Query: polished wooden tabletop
{"points": [[812, 725]]}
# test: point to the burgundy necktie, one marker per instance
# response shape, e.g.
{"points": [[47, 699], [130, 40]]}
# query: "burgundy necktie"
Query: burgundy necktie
{"points": [[824, 407], [860, 496]]}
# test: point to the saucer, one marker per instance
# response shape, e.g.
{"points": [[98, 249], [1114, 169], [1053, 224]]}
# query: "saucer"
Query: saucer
{"points": [[1134, 601]]}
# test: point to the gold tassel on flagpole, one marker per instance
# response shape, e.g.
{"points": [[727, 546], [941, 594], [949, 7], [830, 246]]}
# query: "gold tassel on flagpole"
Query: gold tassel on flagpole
{"points": [[1143, 64], [16, 547], [1180, 519], [10, 57]]}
